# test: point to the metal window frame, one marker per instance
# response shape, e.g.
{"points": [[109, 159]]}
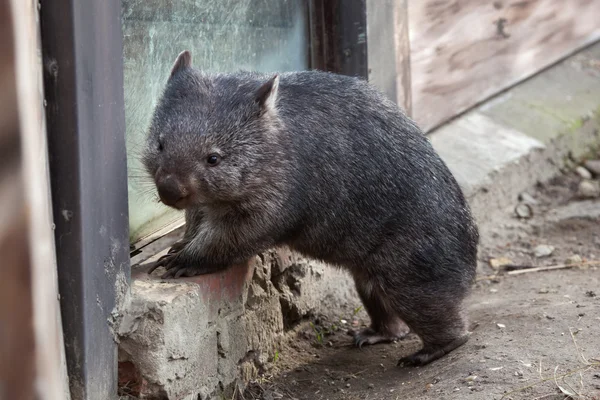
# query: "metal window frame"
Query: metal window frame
{"points": [[82, 48], [338, 36], [83, 85]]}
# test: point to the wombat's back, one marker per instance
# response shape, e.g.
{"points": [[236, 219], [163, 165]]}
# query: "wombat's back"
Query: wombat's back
{"points": [[364, 172]]}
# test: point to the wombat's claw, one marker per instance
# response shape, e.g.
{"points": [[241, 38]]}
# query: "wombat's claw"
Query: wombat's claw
{"points": [[164, 260], [177, 246], [160, 262]]}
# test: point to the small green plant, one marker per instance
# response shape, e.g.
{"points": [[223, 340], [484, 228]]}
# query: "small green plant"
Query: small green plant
{"points": [[318, 333], [356, 311], [276, 356]]}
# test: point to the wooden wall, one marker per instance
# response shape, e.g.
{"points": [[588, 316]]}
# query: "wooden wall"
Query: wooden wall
{"points": [[464, 51], [32, 361]]}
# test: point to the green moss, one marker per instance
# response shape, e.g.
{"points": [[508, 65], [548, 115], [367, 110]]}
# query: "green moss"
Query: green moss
{"points": [[571, 124], [575, 125], [549, 111]]}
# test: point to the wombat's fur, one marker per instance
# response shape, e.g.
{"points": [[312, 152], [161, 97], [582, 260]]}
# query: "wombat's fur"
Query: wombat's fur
{"points": [[326, 165]]}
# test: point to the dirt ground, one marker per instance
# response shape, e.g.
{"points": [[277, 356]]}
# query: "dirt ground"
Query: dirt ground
{"points": [[535, 335]]}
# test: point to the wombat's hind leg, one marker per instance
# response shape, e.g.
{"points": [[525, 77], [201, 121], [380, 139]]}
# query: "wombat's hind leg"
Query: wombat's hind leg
{"points": [[386, 326], [439, 323], [427, 355]]}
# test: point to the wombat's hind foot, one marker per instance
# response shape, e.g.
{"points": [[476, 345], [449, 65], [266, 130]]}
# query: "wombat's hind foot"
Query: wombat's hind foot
{"points": [[373, 336], [431, 353], [369, 336]]}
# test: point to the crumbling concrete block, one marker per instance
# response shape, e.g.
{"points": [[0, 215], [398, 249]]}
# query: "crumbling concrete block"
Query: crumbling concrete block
{"points": [[199, 336]]}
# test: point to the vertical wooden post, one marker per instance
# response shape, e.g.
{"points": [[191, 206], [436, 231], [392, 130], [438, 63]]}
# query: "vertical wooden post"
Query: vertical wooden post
{"points": [[32, 358], [402, 51], [17, 343], [389, 50], [51, 381]]}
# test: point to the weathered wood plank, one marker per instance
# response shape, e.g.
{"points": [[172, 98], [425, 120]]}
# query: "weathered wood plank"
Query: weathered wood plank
{"points": [[51, 381], [17, 339], [389, 49], [402, 51], [464, 51]]}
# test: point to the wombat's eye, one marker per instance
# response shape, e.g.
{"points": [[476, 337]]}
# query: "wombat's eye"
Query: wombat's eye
{"points": [[213, 159]]}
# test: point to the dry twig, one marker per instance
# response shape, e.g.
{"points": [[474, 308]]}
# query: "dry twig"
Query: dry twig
{"points": [[528, 269]]}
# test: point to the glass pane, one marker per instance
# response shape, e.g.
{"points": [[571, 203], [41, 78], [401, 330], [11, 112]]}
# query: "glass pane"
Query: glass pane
{"points": [[223, 35]]}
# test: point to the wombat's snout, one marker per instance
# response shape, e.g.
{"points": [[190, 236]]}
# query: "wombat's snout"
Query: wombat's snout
{"points": [[171, 191]]}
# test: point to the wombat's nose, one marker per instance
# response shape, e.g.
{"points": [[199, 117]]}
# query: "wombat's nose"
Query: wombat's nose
{"points": [[170, 190]]}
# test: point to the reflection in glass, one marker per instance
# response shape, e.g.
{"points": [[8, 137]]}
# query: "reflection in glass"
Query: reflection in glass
{"points": [[223, 35]]}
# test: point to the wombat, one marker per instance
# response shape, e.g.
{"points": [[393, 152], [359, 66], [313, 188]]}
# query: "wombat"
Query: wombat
{"points": [[324, 164]]}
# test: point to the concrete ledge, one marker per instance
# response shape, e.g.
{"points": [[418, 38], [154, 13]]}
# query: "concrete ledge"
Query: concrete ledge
{"points": [[200, 337]]}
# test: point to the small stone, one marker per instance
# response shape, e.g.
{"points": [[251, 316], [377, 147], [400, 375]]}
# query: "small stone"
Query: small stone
{"points": [[583, 173], [523, 210], [527, 199], [593, 166], [347, 385], [550, 317], [428, 386], [501, 326], [471, 378], [574, 259], [371, 386], [589, 189], [543, 250], [343, 321], [497, 263]]}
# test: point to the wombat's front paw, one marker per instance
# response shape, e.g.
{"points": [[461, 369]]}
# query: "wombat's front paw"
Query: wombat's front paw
{"points": [[175, 268], [177, 246], [163, 261], [177, 271]]}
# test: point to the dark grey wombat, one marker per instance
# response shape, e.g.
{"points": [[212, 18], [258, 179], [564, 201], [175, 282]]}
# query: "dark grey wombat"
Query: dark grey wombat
{"points": [[326, 165]]}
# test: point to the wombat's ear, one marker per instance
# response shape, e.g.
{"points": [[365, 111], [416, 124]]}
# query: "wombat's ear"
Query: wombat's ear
{"points": [[183, 61], [266, 95]]}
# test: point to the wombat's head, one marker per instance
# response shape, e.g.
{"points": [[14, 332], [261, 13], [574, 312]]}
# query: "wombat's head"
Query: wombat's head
{"points": [[211, 139]]}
